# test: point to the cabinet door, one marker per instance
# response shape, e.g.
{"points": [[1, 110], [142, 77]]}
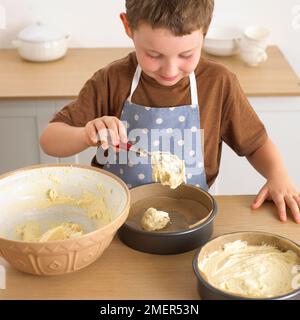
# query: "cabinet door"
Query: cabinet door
{"points": [[281, 117], [21, 124], [18, 135]]}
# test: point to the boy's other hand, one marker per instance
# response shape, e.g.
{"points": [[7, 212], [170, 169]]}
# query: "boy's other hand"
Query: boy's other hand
{"points": [[104, 131], [284, 194]]}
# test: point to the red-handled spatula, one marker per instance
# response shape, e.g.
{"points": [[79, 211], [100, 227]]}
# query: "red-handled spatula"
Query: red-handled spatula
{"points": [[132, 148]]}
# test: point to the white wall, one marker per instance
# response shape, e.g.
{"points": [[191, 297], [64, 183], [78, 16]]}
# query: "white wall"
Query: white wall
{"points": [[95, 23]]}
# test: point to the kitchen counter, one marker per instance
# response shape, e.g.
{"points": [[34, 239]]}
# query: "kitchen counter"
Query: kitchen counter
{"points": [[123, 273], [64, 78]]}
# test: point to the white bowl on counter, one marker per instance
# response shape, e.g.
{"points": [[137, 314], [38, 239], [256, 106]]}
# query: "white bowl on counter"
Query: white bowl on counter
{"points": [[40, 43], [222, 41]]}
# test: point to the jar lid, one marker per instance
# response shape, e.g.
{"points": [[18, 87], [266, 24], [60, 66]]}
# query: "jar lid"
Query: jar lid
{"points": [[40, 32]]}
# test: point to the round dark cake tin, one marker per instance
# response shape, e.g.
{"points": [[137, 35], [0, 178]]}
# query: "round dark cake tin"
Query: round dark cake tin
{"points": [[209, 292], [191, 209]]}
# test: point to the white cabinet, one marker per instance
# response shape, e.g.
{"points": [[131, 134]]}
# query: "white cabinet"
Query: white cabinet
{"points": [[281, 116], [21, 123], [18, 135]]}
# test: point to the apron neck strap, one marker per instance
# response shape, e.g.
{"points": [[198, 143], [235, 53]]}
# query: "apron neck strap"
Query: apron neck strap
{"points": [[135, 81], [194, 91], [193, 85]]}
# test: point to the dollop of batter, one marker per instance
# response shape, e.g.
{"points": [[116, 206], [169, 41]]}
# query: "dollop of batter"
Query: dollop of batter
{"points": [[247, 270], [31, 232], [52, 194], [167, 169], [154, 220], [64, 231], [93, 204]]}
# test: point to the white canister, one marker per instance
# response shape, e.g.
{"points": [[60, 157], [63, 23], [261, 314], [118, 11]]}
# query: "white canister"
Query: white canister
{"points": [[40, 42]]}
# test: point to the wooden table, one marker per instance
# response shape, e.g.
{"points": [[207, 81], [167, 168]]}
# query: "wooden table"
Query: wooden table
{"points": [[123, 273], [20, 79]]}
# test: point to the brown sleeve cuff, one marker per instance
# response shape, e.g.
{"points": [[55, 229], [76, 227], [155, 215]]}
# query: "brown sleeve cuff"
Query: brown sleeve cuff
{"points": [[258, 141], [61, 118]]}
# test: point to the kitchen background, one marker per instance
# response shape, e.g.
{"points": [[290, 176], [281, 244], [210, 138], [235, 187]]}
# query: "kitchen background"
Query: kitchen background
{"points": [[94, 23]]}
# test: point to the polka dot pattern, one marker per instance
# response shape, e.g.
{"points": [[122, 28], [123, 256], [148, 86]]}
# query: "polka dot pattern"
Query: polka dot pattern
{"points": [[200, 164], [180, 142], [141, 176]]}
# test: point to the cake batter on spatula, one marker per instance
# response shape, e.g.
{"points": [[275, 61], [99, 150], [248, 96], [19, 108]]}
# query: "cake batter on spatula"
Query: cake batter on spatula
{"points": [[167, 169]]}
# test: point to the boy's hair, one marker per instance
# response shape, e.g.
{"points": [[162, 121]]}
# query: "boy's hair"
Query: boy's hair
{"points": [[181, 17]]}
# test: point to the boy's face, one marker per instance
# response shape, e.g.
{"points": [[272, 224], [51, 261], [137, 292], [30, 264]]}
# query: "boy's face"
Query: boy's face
{"points": [[163, 56]]}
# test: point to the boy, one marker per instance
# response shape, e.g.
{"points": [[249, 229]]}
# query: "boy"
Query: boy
{"points": [[162, 91]]}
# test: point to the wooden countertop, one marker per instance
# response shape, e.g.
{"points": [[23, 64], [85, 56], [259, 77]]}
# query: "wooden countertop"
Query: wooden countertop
{"points": [[64, 78], [123, 273]]}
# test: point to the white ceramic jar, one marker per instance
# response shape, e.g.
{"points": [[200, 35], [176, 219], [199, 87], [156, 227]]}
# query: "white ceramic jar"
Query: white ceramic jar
{"points": [[40, 42]]}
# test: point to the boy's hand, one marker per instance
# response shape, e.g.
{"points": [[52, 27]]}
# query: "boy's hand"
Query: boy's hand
{"points": [[106, 129], [283, 192]]}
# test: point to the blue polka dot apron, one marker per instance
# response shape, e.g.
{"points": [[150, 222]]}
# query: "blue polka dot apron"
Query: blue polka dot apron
{"points": [[167, 129]]}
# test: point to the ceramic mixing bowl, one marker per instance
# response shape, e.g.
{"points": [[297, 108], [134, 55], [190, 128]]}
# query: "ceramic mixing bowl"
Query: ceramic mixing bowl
{"points": [[24, 197]]}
